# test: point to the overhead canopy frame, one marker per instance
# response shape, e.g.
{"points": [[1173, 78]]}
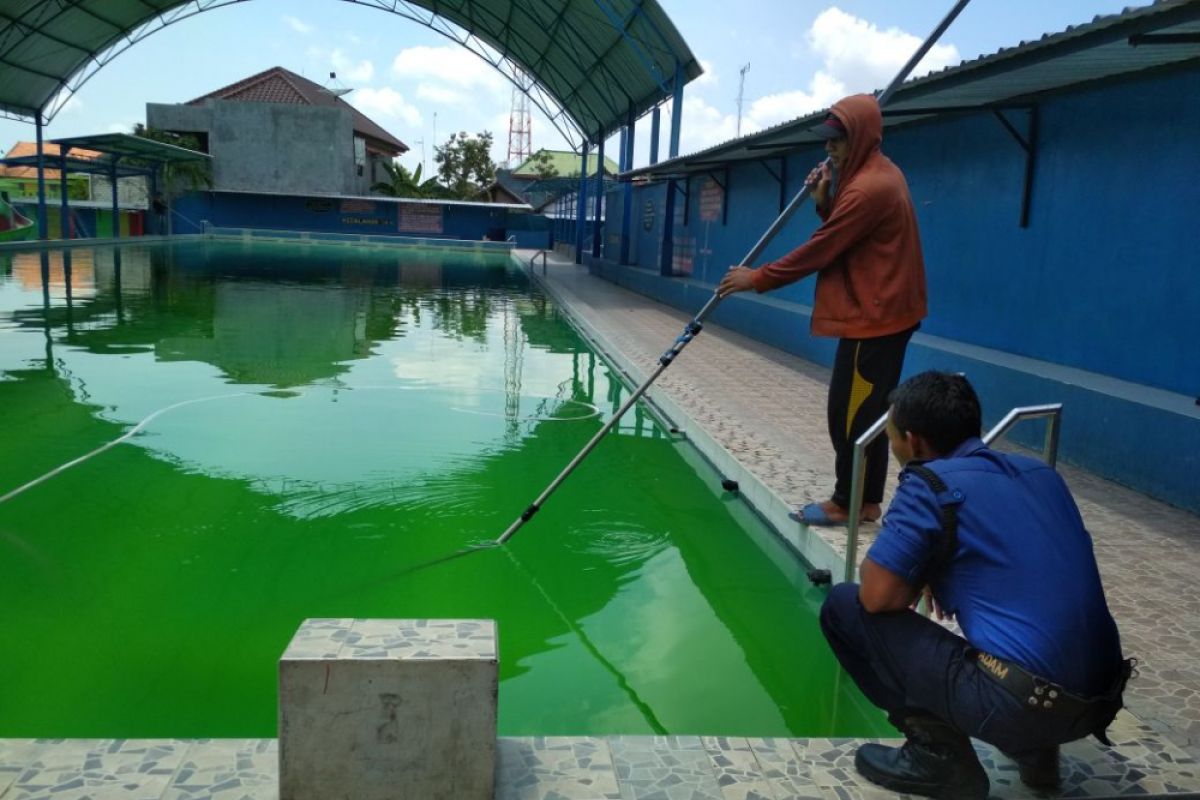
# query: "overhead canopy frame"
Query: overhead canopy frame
{"points": [[587, 64]]}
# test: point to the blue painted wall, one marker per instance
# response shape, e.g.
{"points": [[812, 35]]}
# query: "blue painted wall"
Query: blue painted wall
{"points": [[1104, 280], [334, 215]]}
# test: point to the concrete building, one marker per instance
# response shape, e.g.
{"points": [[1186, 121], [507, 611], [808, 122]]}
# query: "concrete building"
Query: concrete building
{"points": [[279, 132]]}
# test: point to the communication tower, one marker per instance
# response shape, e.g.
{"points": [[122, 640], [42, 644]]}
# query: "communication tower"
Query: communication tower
{"points": [[520, 125]]}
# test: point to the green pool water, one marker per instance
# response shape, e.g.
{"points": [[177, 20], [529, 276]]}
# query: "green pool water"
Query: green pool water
{"points": [[318, 422]]}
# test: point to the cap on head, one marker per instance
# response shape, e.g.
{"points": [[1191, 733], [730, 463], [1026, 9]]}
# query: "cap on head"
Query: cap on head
{"points": [[831, 128]]}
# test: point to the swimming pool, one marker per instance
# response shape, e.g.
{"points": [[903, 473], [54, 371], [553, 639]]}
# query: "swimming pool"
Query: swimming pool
{"points": [[315, 422]]}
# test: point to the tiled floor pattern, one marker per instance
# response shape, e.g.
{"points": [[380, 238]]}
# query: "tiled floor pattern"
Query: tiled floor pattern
{"points": [[765, 409], [573, 768]]}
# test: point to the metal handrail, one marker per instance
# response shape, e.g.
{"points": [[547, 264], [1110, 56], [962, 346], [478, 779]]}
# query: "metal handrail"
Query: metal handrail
{"points": [[1049, 455], [858, 469], [1050, 445], [541, 253]]}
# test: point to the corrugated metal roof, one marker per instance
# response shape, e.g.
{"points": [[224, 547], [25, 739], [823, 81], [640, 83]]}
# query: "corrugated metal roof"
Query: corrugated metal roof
{"points": [[96, 154], [1101, 49], [565, 163], [279, 85], [599, 60]]}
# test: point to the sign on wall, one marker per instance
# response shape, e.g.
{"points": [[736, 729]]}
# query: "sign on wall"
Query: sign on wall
{"points": [[361, 212], [419, 218], [712, 197]]}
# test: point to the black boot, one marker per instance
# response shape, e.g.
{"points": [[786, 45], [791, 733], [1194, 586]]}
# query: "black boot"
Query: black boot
{"points": [[1039, 769], [935, 761]]}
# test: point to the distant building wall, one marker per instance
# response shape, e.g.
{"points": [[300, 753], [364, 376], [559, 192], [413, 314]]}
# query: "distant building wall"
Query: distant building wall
{"points": [[271, 147], [132, 192], [383, 217]]}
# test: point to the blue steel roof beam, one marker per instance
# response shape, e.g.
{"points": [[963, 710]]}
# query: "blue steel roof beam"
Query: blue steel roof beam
{"points": [[603, 64], [542, 64], [81, 8], [30, 31], [600, 63], [551, 36], [583, 43], [667, 48], [102, 57], [623, 26], [614, 108]]}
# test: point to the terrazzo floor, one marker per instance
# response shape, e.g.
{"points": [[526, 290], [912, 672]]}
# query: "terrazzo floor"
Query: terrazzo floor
{"points": [[758, 413], [576, 768]]}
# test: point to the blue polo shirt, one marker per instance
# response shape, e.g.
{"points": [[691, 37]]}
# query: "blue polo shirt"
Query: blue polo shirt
{"points": [[1023, 582]]}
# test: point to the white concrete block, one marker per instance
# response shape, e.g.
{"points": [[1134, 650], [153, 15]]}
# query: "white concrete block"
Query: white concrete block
{"points": [[374, 709]]}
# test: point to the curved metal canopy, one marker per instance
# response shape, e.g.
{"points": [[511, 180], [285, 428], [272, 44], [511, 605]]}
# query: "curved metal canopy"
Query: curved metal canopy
{"points": [[587, 64]]}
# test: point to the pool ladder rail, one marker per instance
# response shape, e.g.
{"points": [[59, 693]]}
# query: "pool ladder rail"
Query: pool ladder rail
{"points": [[1053, 411]]}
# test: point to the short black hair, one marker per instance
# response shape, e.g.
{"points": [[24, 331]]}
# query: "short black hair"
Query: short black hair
{"points": [[939, 406]]}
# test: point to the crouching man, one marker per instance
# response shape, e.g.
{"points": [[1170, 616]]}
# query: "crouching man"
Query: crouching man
{"points": [[998, 543]]}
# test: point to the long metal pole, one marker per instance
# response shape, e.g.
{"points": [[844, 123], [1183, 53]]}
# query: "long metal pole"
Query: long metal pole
{"points": [[697, 324]]}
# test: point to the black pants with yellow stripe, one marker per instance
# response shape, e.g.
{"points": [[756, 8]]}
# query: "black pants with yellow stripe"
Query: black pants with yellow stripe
{"points": [[864, 373]]}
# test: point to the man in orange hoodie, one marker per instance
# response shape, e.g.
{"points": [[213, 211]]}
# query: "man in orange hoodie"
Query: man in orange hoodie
{"points": [[870, 290]]}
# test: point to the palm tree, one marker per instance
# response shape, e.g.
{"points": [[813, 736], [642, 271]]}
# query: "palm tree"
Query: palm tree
{"points": [[403, 183]]}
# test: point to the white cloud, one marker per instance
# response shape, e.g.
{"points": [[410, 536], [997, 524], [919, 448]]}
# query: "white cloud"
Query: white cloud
{"points": [[452, 64], [298, 25], [385, 102], [73, 104], [499, 129], [708, 77], [705, 125], [441, 95], [856, 56], [119, 127], [824, 89], [347, 70], [862, 56]]}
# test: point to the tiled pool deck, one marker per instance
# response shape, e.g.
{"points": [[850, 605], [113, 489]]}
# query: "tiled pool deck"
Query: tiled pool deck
{"points": [[759, 415]]}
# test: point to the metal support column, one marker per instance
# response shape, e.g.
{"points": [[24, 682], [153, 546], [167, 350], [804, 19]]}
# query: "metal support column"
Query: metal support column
{"points": [[581, 203], [676, 112], [655, 124], [65, 211], [597, 223], [41, 172], [627, 188], [116, 207], [667, 255]]}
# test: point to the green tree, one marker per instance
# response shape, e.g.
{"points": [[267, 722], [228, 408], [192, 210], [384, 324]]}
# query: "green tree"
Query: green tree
{"points": [[183, 176], [465, 163], [402, 183], [543, 165]]}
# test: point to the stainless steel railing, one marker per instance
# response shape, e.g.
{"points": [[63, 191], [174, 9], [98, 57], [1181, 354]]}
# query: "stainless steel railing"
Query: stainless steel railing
{"points": [[1049, 454], [541, 253]]}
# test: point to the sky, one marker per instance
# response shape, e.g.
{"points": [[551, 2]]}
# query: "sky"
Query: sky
{"points": [[420, 86]]}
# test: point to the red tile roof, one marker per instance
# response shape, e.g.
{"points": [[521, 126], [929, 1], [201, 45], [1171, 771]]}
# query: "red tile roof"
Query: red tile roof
{"points": [[30, 149], [278, 85]]}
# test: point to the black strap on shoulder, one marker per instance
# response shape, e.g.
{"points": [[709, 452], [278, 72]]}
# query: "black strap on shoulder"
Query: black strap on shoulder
{"points": [[948, 502]]}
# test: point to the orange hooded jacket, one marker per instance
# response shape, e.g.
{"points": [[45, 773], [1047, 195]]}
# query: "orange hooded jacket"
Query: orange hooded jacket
{"points": [[867, 252]]}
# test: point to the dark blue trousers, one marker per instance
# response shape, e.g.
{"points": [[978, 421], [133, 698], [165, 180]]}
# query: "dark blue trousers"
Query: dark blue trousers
{"points": [[908, 665]]}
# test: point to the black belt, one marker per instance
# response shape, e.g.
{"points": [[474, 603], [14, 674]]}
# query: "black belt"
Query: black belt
{"points": [[1032, 690]]}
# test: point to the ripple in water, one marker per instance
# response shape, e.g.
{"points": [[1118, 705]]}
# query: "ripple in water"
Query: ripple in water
{"points": [[622, 543]]}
